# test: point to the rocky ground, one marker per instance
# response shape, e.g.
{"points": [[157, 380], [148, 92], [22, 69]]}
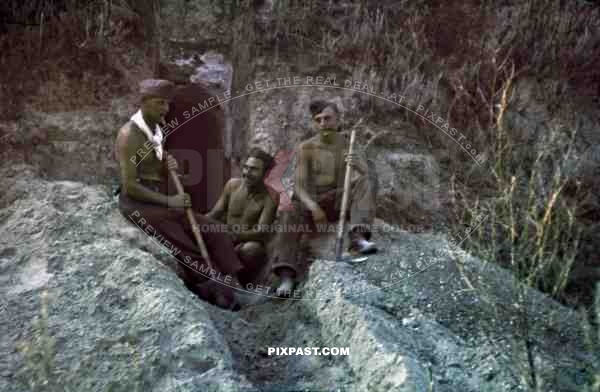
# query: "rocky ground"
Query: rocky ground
{"points": [[118, 319], [89, 303]]}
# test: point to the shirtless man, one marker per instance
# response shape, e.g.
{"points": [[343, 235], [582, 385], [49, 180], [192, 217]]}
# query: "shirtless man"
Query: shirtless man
{"points": [[318, 191], [246, 203], [145, 196]]}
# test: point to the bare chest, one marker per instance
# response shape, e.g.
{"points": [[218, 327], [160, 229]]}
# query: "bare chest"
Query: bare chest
{"points": [[325, 165], [245, 207]]}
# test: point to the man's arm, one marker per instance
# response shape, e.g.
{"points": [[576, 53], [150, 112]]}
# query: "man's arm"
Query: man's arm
{"points": [[267, 217], [357, 161], [219, 211], [128, 144], [300, 188]]}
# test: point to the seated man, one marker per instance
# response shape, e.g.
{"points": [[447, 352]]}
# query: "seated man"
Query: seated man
{"points": [[146, 200], [248, 207], [319, 186]]}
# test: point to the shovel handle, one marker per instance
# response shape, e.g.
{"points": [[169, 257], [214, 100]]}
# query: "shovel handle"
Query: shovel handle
{"points": [[192, 220], [340, 233]]}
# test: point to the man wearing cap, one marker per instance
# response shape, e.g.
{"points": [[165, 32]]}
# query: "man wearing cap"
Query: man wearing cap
{"points": [[148, 199], [318, 192]]}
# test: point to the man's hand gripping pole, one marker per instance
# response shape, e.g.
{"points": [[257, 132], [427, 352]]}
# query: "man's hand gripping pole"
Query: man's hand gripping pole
{"points": [[342, 222], [192, 220]]}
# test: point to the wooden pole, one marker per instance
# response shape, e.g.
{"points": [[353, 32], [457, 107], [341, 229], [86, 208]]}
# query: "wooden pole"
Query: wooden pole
{"points": [[340, 233], [192, 220]]}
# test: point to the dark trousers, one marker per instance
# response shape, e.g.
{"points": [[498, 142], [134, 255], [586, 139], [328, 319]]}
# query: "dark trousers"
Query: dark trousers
{"points": [[172, 225], [289, 246]]}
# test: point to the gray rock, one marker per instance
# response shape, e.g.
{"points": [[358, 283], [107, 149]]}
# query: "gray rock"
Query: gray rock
{"points": [[454, 321], [408, 185], [120, 320], [91, 303]]}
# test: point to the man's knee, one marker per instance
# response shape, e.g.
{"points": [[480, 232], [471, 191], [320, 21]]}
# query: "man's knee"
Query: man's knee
{"points": [[285, 272], [252, 249]]}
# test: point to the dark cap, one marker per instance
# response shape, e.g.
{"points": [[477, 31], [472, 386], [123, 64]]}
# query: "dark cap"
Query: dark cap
{"points": [[157, 88]]}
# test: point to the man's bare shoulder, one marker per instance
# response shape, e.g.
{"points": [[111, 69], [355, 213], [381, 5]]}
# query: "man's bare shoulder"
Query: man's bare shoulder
{"points": [[126, 139], [128, 133], [126, 128], [234, 183]]}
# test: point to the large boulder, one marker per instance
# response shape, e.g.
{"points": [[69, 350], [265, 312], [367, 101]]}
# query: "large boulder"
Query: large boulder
{"points": [[408, 186], [87, 305]]}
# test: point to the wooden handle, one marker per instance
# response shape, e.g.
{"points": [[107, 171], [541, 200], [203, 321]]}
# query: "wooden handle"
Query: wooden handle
{"points": [[340, 234], [192, 220]]}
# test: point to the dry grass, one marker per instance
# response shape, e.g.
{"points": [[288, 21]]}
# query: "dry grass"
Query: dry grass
{"points": [[532, 225], [452, 57], [38, 372], [463, 60], [41, 371]]}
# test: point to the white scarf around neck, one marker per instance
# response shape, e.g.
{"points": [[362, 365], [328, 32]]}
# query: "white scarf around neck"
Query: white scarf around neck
{"points": [[156, 138]]}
